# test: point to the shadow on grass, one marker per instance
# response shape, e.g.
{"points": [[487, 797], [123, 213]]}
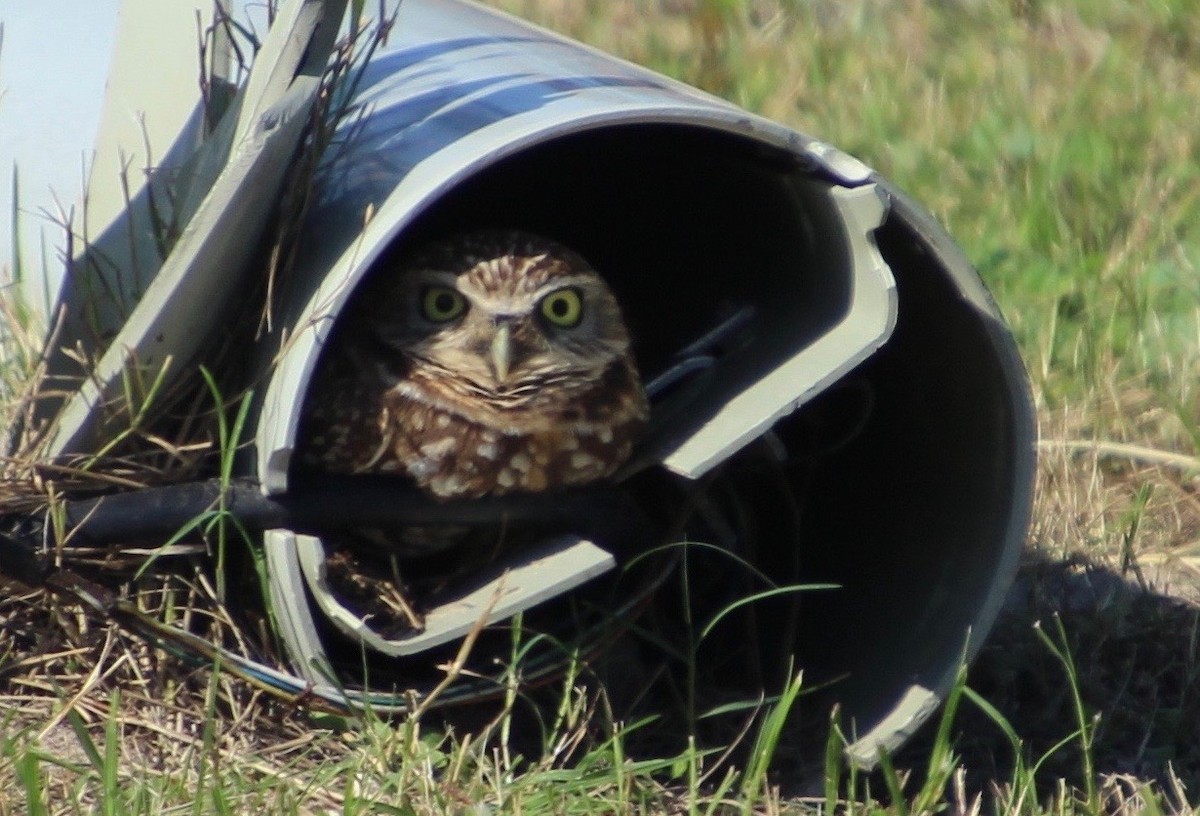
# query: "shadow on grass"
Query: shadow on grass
{"points": [[1135, 651]]}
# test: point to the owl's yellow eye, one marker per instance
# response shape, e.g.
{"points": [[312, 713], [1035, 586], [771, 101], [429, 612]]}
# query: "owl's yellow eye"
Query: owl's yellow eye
{"points": [[441, 304], [563, 308]]}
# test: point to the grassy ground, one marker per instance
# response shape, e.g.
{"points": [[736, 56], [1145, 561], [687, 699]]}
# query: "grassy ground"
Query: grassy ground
{"points": [[1060, 143]]}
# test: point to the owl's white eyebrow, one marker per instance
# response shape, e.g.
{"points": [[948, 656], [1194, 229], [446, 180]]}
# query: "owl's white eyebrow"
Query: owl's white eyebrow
{"points": [[564, 282]]}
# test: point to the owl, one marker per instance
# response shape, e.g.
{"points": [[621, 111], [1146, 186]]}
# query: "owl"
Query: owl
{"points": [[486, 364]]}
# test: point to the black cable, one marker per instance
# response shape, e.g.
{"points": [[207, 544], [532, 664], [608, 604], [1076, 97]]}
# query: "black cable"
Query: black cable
{"points": [[316, 505]]}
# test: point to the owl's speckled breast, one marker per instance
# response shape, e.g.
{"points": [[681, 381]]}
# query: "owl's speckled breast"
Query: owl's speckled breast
{"points": [[454, 456]]}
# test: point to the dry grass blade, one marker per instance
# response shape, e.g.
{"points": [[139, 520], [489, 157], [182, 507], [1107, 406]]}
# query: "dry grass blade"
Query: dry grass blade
{"points": [[455, 668], [1122, 450]]}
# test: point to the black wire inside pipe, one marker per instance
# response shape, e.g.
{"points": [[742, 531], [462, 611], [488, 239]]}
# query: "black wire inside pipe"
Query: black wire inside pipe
{"points": [[324, 504]]}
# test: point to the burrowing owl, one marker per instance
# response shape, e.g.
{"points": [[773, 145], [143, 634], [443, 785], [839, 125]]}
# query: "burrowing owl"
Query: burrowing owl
{"points": [[488, 363]]}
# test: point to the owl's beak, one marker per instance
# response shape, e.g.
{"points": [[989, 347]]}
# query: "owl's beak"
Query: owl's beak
{"points": [[502, 351]]}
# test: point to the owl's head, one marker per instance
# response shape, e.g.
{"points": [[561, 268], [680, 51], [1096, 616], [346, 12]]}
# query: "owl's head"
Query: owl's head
{"points": [[504, 311]]}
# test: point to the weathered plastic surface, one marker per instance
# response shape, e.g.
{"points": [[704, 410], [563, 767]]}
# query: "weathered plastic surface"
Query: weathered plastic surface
{"points": [[175, 316], [555, 566], [48, 133], [150, 118], [981, 559], [864, 328]]}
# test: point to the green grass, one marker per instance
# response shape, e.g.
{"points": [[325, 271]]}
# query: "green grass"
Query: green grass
{"points": [[1060, 143]]}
